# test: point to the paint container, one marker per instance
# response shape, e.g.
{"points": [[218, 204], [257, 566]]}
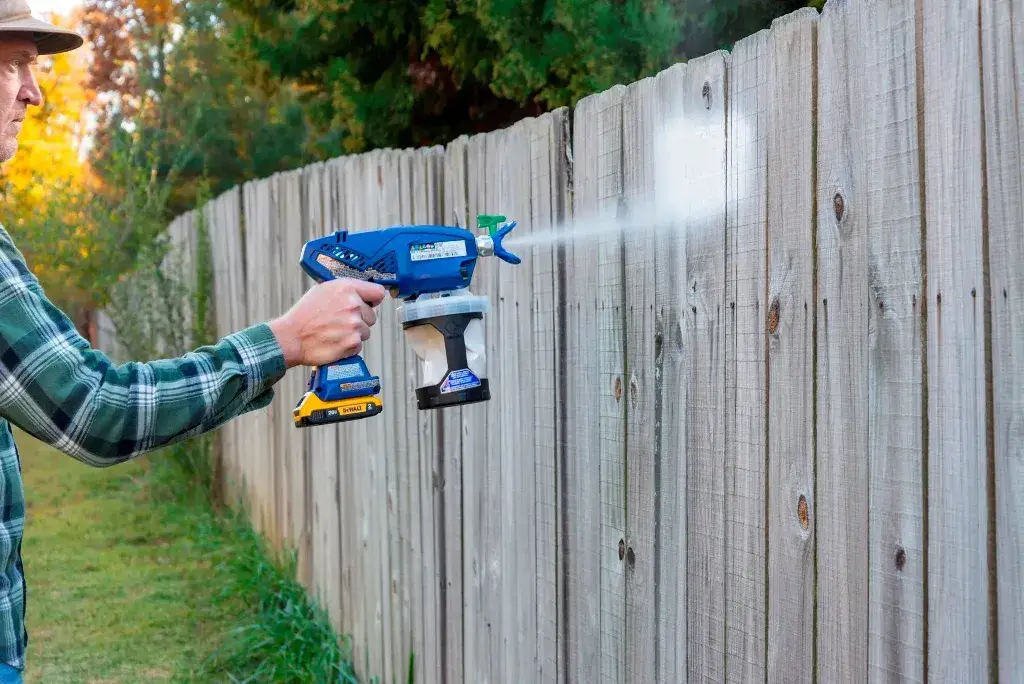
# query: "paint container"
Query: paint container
{"points": [[446, 332]]}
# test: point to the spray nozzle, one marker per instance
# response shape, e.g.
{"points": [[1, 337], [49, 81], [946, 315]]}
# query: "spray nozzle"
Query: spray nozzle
{"points": [[491, 243]]}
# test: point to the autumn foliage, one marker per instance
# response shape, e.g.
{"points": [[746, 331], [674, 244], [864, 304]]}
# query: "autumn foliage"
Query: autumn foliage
{"points": [[173, 101]]}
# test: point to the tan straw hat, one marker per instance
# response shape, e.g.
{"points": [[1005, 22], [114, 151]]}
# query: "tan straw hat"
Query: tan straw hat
{"points": [[16, 17]]}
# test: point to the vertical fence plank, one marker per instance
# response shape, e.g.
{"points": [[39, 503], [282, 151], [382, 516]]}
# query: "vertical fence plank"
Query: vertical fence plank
{"points": [[257, 241], [379, 457], [746, 414], [671, 384], [790, 320], [513, 386], [359, 451], [291, 440], [395, 210], [842, 353], [322, 476], [703, 211], [958, 531], [426, 184], [639, 114], [549, 175], [1003, 69], [407, 456], [888, 184], [481, 492], [595, 423], [346, 183], [453, 522]]}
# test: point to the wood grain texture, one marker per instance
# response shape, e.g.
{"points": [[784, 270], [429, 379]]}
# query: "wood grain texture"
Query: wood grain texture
{"points": [[257, 255], [745, 377], [321, 212], [596, 427], [291, 440], [958, 502], [842, 352], [671, 384], [392, 196], [639, 115], [703, 213], [1002, 65], [790, 323], [351, 487], [888, 182], [549, 206], [427, 187], [453, 519], [481, 466]]}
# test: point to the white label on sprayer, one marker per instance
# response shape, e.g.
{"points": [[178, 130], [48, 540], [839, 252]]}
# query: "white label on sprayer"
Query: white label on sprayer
{"points": [[438, 250]]}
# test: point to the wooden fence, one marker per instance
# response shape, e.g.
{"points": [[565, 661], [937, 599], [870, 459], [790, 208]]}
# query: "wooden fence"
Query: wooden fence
{"points": [[767, 435]]}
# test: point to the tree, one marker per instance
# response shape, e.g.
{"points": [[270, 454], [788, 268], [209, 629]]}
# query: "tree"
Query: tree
{"points": [[420, 72]]}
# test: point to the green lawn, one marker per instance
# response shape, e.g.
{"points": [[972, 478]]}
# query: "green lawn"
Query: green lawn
{"points": [[121, 588]]}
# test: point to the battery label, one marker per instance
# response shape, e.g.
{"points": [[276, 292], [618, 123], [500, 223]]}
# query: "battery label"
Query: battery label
{"points": [[342, 371], [438, 250], [459, 380]]}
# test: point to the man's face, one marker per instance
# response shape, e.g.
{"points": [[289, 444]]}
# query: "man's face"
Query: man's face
{"points": [[18, 89]]}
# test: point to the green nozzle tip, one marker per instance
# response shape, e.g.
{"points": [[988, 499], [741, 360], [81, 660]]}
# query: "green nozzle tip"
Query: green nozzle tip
{"points": [[490, 222]]}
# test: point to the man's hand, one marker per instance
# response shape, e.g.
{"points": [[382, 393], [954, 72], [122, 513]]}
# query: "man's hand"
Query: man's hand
{"points": [[330, 322]]}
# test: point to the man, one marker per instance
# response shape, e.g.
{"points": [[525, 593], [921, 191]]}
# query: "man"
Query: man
{"points": [[58, 389]]}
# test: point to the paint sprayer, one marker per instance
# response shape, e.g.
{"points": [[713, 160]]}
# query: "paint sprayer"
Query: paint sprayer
{"points": [[429, 268]]}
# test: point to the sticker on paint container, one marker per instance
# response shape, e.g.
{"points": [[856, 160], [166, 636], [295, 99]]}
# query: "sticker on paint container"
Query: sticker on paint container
{"points": [[459, 380], [438, 250]]}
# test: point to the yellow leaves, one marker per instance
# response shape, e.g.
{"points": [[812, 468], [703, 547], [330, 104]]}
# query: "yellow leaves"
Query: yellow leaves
{"points": [[51, 137]]}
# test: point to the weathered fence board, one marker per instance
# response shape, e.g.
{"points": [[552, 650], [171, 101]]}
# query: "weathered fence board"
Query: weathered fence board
{"points": [[670, 388], [544, 411], [1003, 67], [741, 425], [639, 114], [746, 476], [595, 423], [703, 212], [453, 525], [958, 503], [790, 319], [888, 196], [842, 352], [1002, 41]]}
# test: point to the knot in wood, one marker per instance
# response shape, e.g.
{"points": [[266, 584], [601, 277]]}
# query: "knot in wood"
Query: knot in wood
{"points": [[901, 557], [773, 316], [630, 557], [839, 206], [706, 94], [633, 390], [801, 512], [622, 549], [618, 388]]}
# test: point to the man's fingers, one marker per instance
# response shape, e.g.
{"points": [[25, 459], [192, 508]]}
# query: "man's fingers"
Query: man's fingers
{"points": [[372, 293], [369, 315]]}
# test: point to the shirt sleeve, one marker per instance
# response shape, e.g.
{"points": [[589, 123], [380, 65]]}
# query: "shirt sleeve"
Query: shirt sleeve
{"points": [[57, 388]]}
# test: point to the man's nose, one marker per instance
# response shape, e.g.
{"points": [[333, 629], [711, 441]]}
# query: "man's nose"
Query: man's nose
{"points": [[30, 92]]}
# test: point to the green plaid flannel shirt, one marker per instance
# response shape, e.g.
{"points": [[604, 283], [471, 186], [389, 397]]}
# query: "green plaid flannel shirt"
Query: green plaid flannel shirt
{"points": [[55, 387]]}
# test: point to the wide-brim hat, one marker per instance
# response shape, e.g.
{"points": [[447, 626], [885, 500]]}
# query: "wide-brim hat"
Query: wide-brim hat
{"points": [[16, 17]]}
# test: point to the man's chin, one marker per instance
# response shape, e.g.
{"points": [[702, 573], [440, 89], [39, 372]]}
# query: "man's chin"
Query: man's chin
{"points": [[8, 148]]}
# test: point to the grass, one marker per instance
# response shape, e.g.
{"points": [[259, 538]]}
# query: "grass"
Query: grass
{"points": [[133, 576]]}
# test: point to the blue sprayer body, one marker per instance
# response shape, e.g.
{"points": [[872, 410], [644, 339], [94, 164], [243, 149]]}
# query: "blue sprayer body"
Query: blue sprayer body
{"points": [[409, 261]]}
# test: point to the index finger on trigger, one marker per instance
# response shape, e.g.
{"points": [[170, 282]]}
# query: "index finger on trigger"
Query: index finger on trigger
{"points": [[372, 293]]}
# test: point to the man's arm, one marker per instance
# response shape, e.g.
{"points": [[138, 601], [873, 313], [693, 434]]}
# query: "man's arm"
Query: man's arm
{"points": [[57, 388]]}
